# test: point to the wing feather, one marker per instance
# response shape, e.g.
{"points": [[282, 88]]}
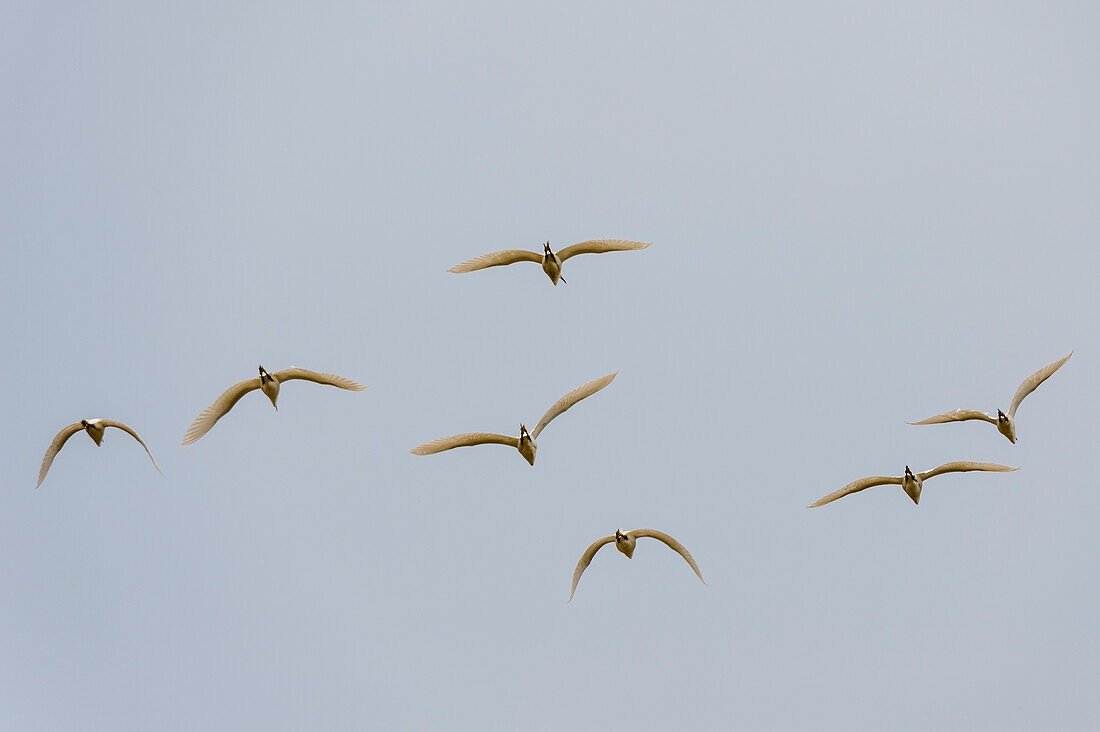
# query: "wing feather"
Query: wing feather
{"points": [[466, 439], [567, 401], [855, 487], [673, 545], [1032, 382], [127, 429], [599, 246], [497, 259], [55, 447], [585, 560], [218, 409], [958, 415], [963, 466], [318, 378]]}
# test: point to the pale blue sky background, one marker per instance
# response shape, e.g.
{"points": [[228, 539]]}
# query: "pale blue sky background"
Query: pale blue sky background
{"points": [[861, 215]]}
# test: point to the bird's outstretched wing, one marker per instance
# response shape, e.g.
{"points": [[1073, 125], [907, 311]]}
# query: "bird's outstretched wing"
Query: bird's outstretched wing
{"points": [[958, 415], [673, 545], [855, 487], [55, 447], [497, 259], [962, 466], [585, 390], [1032, 382], [318, 378], [585, 560], [466, 439], [127, 429], [599, 246], [218, 409]]}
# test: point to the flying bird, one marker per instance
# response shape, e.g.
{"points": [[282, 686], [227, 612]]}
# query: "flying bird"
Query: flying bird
{"points": [[911, 482], [267, 383], [624, 542], [525, 443], [551, 262], [1006, 423], [95, 429]]}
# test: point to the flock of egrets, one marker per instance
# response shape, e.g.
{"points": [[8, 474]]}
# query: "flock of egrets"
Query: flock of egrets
{"points": [[525, 443]]}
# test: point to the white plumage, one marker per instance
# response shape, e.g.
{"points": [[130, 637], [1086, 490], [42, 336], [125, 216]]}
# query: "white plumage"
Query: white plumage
{"points": [[910, 482], [525, 443], [1005, 423], [269, 384], [95, 429], [624, 542], [551, 262]]}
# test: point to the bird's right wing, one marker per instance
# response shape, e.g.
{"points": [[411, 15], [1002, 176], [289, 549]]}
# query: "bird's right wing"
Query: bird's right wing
{"points": [[129, 431], [958, 415], [1032, 382], [599, 246], [466, 439], [856, 487], [963, 466], [55, 447], [217, 410], [497, 259], [581, 392], [585, 560], [672, 544]]}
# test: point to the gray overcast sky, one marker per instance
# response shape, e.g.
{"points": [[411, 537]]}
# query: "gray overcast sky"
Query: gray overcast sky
{"points": [[861, 215]]}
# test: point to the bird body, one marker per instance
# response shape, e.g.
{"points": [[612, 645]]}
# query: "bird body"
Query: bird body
{"points": [[1005, 423], [551, 261], [95, 429], [526, 446], [625, 542], [912, 485], [910, 482], [269, 384], [551, 264], [525, 443]]}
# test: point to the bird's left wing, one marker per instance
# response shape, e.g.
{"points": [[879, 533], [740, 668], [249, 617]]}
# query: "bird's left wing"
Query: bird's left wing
{"points": [[1032, 382], [55, 447], [582, 391], [673, 545], [585, 560], [125, 428], [963, 466], [599, 246], [318, 378], [855, 487]]}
